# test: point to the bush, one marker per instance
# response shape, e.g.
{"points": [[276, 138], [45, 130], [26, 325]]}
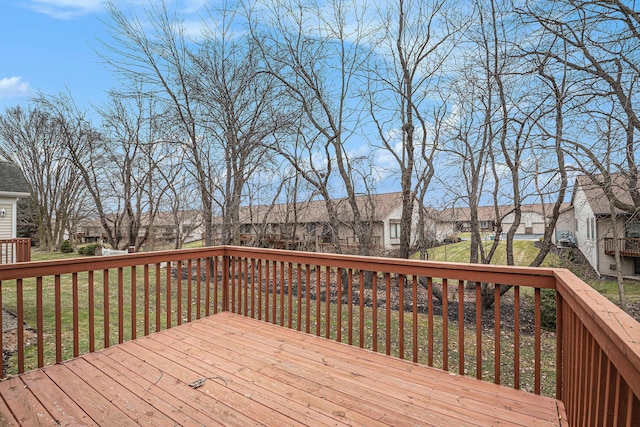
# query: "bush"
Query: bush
{"points": [[548, 308], [66, 247], [452, 238], [89, 250]]}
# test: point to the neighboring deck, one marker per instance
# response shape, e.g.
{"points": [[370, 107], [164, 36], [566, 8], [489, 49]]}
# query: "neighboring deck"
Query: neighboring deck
{"points": [[232, 370]]}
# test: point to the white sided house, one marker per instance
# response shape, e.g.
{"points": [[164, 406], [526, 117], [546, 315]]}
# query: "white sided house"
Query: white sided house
{"points": [[588, 224], [13, 186]]}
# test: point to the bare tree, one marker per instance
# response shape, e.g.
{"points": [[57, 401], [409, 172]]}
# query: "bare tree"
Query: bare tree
{"points": [[317, 55], [34, 140], [240, 112], [598, 42], [133, 153], [416, 39], [158, 55]]}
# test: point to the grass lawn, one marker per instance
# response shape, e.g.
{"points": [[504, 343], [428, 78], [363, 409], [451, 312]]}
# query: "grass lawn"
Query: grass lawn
{"points": [[524, 251]]}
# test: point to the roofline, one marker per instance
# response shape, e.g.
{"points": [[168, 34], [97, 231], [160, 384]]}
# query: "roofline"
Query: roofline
{"points": [[11, 194]]}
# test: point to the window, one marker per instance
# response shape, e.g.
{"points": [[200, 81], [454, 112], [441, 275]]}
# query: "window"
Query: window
{"points": [[593, 228], [247, 228], [394, 229], [326, 233], [588, 228], [484, 224], [311, 228]]}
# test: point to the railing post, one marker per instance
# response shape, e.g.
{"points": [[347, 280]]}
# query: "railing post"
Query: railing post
{"points": [[225, 282], [559, 346]]}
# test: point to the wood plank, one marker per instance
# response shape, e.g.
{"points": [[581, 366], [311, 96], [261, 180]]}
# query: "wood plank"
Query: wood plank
{"points": [[254, 373], [282, 374], [222, 403], [155, 385], [255, 403], [6, 418], [64, 410], [140, 411], [280, 395], [347, 364], [377, 361], [23, 405], [95, 405], [155, 396], [441, 410]]}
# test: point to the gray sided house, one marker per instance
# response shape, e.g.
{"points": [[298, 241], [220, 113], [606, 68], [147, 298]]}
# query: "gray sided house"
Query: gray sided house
{"points": [[13, 186], [588, 224]]}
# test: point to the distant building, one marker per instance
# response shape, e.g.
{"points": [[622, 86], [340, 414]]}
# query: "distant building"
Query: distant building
{"points": [[533, 220], [164, 230], [587, 224], [13, 186], [306, 225]]}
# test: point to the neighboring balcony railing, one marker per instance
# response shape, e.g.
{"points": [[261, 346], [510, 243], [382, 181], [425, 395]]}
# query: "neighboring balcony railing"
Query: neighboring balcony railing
{"points": [[591, 361], [627, 246], [15, 250]]}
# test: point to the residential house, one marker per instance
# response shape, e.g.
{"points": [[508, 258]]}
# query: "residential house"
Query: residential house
{"points": [[587, 223], [166, 227], [306, 226], [533, 220], [13, 186]]}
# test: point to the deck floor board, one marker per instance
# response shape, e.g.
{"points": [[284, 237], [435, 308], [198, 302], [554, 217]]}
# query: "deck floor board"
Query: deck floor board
{"points": [[230, 370]]}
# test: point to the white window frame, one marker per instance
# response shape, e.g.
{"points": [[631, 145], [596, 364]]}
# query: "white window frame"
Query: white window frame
{"points": [[394, 230]]}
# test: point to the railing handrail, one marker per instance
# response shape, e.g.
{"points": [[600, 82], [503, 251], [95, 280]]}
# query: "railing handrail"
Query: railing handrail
{"points": [[612, 328], [80, 264], [537, 277], [622, 238], [527, 276]]}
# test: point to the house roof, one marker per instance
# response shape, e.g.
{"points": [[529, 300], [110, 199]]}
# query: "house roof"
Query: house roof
{"points": [[592, 186], [12, 181], [487, 213], [161, 219], [315, 211]]}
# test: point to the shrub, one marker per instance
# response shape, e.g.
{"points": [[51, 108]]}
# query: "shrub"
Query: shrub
{"points": [[89, 250], [548, 308], [66, 247], [452, 238]]}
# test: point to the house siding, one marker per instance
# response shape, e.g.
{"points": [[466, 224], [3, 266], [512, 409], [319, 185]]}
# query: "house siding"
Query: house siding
{"points": [[605, 229], [566, 223], [587, 244], [6, 221]]}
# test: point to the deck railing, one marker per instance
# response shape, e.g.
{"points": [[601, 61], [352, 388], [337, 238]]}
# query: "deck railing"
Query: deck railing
{"points": [[591, 361], [626, 246], [15, 250]]}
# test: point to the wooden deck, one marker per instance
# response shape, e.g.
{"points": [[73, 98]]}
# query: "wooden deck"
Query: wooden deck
{"points": [[231, 370]]}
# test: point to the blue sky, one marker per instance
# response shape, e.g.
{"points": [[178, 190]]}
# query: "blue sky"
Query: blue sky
{"points": [[48, 46]]}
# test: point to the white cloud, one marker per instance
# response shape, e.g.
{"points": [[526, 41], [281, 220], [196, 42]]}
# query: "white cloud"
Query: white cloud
{"points": [[13, 86], [67, 9]]}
